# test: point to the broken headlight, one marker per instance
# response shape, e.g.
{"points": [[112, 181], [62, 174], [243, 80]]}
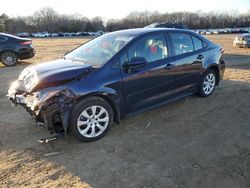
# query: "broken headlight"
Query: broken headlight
{"points": [[34, 100], [29, 78]]}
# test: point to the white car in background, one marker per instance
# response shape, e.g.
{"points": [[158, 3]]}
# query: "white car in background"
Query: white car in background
{"points": [[54, 35], [41, 35], [44, 34], [242, 41]]}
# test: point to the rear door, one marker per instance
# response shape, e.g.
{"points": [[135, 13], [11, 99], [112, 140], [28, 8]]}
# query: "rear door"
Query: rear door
{"points": [[146, 86], [188, 57], [2, 42]]}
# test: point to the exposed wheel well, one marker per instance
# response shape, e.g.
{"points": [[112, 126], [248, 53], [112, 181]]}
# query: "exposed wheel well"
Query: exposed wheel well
{"points": [[111, 103], [216, 70]]}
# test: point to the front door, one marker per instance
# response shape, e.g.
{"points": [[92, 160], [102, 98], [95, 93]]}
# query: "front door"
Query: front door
{"points": [[147, 85]]}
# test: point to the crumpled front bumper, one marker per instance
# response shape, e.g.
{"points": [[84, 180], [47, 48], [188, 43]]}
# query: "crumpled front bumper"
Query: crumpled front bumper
{"points": [[241, 43], [50, 106]]}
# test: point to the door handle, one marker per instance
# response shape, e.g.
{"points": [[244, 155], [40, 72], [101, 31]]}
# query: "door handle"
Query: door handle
{"points": [[169, 66], [200, 57]]}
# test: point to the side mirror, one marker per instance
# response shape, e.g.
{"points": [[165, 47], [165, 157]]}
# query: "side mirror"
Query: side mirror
{"points": [[137, 62]]}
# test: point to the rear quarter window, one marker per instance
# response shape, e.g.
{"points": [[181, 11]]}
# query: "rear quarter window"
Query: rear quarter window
{"points": [[198, 44]]}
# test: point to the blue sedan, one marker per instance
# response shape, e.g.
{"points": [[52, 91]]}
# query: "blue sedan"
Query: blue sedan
{"points": [[117, 75]]}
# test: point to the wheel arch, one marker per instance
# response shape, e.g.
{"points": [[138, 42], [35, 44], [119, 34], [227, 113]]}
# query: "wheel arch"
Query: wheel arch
{"points": [[109, 100], [8, 50], [215, 68]]}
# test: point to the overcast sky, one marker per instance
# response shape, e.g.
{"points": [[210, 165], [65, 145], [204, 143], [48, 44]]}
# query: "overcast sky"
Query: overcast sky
{"points": [[118, 9]]}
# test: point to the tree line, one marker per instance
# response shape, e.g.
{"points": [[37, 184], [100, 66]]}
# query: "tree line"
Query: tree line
{"points": [[47, 19]]}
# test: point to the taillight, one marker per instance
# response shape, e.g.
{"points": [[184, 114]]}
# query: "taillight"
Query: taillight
{"points": [[26, 43], [222, 51]]}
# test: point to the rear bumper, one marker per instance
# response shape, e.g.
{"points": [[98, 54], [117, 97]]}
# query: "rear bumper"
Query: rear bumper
{"points": [[222, 67], [26, 53]]}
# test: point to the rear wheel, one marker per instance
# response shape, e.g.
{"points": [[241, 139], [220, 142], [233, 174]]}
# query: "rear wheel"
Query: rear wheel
{"points": [[91, 119], [207, 83], [9, 58]]}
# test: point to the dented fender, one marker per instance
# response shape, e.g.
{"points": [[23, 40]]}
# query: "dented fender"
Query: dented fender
{"points": [[55, 101]]}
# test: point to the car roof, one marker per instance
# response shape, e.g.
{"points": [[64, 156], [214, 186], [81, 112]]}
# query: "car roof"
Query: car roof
{"points": [[176, 25], [13, 36], [8, 35], [140, 31]]}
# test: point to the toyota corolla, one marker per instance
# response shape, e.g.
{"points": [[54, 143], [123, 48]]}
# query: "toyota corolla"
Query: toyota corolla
{"points": [[116, 75]]}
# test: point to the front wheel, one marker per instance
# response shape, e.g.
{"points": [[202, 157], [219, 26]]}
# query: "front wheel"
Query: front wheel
{"points": [[207, 83], [91, 119]]}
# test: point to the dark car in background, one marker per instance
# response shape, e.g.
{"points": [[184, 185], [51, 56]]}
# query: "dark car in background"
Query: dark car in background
{"points": [[23, 34], [13, 48], [242, 41], [167, 25], [116, 75]]}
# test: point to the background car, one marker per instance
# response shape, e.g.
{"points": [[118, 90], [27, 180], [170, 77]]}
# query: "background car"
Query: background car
{"points": [[23, 34], [167, 25], [242, 41], [54, 35], [116, 75], [13, 48], [60, 34], [44, 34]]}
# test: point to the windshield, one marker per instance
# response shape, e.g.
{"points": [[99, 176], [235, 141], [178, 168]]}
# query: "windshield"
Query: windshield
{"points": [[99, 50]]}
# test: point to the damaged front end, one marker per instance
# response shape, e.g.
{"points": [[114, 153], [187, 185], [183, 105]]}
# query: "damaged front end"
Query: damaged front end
{"points": [[51, 106], [43, 90]]}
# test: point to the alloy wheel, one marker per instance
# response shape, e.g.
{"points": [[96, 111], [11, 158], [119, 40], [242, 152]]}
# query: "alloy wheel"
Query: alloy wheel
{"points": [[209, 84], [93, 121], [9, 58]]}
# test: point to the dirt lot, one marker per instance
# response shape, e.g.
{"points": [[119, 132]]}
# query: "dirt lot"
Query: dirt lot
{"points": [[194, 142]]}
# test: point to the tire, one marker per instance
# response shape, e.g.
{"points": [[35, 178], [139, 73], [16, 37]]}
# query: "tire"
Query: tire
{"points": [[87, 127], [9, 58], [207, 83]]}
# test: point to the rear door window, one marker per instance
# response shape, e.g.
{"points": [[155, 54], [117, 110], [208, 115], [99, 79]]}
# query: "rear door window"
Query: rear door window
{"points": [[182, 43]]}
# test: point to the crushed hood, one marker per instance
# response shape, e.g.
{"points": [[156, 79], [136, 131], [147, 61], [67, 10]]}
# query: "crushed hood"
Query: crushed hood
{"points": [[52, 73]]}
